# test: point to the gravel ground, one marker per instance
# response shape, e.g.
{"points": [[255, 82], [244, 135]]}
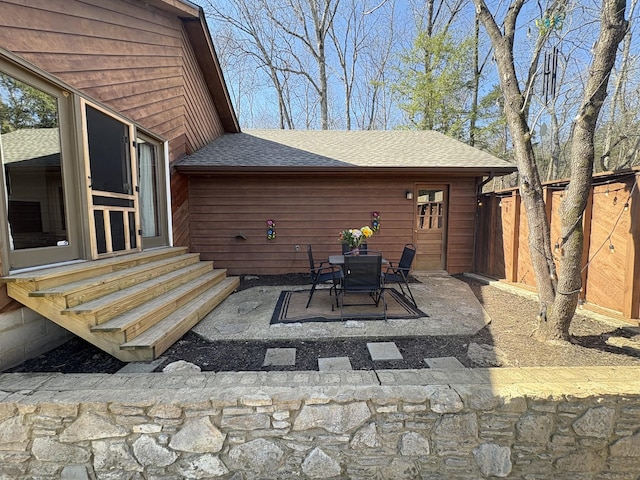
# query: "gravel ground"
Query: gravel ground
{"points": [[508, 338]]}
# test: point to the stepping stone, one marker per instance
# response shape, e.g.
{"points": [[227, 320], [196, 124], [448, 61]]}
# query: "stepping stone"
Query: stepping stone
{"points": [[446, 363], [334, 364], [280, 357], [381, 351], [141, 367]]}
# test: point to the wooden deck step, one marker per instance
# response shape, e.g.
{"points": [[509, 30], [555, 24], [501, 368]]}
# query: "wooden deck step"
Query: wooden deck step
{"points": [[127, 326], [88, 289], [132, 306], [45, 278], [109, 306], [154, 341]]}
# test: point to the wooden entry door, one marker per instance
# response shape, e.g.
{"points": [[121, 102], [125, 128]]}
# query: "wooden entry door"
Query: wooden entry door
{"points": [[114, 218], [430, 229]]}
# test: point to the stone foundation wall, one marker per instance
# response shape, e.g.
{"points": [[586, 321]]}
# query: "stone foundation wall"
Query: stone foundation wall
{"points": [[25, 334], [529, 423]]}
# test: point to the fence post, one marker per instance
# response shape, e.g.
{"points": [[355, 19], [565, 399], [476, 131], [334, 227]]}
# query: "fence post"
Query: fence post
{"points": [[631, 298], [512, 271], [587, 226]]}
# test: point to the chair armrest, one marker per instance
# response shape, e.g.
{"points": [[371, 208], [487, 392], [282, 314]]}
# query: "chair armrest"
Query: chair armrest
{"points": [[328, 268]]}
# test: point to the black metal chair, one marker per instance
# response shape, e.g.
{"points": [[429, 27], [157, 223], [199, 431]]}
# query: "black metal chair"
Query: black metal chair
{"points": [[400, 274], [323, 273], [363, 275]]}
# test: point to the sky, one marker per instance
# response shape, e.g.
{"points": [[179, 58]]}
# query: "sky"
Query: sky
{"points": [[257, 106]]}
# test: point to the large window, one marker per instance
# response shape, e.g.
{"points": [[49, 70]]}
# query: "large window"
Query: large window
{"points": [[32, 162]]}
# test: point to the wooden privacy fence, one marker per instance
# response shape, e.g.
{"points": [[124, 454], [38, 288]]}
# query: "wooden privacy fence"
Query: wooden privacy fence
{"points": [[611, 254]]}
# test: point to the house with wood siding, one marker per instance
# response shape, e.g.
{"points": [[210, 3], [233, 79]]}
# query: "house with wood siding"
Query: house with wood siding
{"points": [[423, 185], [94, 229], [133, 200]]}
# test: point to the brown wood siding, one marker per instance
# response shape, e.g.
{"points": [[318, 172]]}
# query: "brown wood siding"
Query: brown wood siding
{"points": [[128, 55], [180, 209], [307, 210], [202, 120]]}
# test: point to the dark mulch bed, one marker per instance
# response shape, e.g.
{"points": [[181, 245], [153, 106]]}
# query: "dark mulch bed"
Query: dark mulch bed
{"points": [[510, 331]]}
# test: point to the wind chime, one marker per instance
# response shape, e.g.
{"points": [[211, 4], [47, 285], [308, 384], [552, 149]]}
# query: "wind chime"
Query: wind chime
{"points": [[548, 22], [550, 74]]}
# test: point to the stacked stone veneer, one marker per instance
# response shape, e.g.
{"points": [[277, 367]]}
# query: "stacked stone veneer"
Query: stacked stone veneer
{"points": [[468, 424]]}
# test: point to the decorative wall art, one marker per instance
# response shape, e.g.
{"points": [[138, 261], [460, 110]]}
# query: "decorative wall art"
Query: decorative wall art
{"points": [[271, 229]]}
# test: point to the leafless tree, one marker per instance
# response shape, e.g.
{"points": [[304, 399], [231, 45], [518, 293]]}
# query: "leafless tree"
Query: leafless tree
{"points": [[558, 291], [363, 57], [624, 132], [258, 41]]}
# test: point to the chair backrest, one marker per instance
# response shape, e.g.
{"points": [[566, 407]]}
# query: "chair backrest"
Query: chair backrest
{"points": [[312, 265], [408, 254], [362, 273]]}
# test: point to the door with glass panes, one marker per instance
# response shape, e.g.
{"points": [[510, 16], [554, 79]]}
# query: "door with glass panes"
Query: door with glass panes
{"points": [[111, 181], [431, 203]]}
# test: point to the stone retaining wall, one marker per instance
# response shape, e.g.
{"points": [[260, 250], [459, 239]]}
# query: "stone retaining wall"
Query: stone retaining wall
{"points": [[529, 423]]}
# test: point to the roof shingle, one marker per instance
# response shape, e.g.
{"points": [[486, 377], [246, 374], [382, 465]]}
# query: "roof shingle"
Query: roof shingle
{"points": [[340, 149]]}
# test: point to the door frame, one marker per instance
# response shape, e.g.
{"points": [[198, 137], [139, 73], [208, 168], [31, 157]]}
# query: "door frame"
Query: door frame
{"points": [[96, 209], [163, 191], [13, 260], [446, 188]]}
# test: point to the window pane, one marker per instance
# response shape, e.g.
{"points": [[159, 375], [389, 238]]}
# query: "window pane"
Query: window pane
{"points": [[32, 160], [108, 153], [430, 209], [148, 173]]}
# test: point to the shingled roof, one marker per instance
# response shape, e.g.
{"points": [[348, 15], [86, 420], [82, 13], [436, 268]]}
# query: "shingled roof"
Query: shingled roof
{"points": [[339, 149], [31, 147]]}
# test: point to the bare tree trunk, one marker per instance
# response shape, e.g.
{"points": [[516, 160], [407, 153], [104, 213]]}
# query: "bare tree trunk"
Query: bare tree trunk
{"points": [[612, 30], [618, 93], [516, 112], [476, 82], [558, 297]]}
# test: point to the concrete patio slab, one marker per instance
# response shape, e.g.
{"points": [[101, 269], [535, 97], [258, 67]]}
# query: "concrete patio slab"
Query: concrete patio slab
{"points": [[452, 307]]}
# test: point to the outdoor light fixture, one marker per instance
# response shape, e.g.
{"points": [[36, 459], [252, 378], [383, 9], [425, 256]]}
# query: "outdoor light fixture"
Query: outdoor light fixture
{"points": [[409, 194]]}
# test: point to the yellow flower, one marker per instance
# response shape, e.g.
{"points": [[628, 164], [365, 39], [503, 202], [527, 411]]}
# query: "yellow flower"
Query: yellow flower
{"points": [[366, 231]]}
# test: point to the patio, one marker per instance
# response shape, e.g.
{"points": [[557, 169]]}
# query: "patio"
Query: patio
{"points": [[452, 307]]}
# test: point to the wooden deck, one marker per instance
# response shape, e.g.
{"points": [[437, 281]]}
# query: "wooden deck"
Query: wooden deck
{"points": [[133, 307]]}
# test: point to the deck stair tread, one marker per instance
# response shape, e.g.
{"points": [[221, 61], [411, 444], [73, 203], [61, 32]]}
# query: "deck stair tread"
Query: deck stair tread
{"points": [[168, 330], [49, 277], [132, 306], [160, 306], [118, 279], [127, 298]]}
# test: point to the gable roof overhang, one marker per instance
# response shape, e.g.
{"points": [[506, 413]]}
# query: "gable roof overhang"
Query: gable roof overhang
{"points": [[295, 152]]}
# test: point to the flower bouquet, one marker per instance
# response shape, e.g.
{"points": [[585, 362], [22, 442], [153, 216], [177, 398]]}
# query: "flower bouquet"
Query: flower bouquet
{"points": [[355, 237]]}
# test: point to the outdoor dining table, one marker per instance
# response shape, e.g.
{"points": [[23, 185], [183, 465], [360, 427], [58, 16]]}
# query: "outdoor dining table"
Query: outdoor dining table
{"points": [[339, 260]]}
